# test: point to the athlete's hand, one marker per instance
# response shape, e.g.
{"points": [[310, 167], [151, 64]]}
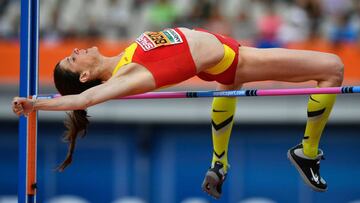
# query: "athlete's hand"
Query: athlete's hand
{"points": [[22, 106]]}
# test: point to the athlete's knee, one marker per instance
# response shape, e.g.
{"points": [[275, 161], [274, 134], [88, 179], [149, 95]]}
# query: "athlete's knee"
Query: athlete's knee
{"points": [[335, 74]]}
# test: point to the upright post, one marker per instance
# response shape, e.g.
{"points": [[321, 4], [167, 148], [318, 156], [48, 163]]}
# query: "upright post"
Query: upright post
{"points": [[29, 42]]}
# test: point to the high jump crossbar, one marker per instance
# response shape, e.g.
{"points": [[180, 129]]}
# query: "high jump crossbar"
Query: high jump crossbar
{"points": [[233, 93], [29, 46]]}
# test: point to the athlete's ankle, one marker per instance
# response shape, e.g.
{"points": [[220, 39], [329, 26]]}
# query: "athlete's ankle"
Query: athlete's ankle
{"points": [[224, 163], [310, 150], [309, 155], [300, 152]]}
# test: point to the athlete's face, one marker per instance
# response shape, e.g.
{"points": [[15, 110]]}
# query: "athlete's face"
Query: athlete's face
{"points": [[81, 60]]}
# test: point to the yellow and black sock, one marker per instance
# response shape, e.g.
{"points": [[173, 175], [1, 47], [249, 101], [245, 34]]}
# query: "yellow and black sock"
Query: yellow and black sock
{"points": [[319, 109], [222, 117]]}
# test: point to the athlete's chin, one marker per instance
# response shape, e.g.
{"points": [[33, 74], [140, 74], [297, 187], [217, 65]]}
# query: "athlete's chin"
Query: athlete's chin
{"points": [[94, 48], [92, 52]]}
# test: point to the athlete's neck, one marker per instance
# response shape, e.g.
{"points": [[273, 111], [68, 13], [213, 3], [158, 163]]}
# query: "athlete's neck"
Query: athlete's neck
{"points": [[107, 67]]}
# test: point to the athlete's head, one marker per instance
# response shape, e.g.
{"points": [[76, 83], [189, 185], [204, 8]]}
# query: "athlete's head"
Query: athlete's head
{"points": [[85, 62], [78, 71], [73, 75]]}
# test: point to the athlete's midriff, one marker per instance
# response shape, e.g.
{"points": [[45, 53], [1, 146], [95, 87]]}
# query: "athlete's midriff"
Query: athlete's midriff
{"points": [[167, 56]]}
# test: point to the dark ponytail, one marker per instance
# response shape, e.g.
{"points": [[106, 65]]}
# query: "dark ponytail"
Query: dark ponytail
{"points": [[67, 83]]}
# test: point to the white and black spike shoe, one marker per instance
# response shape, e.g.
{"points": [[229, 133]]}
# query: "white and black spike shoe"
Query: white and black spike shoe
{"points": [[214, 179], [309, 169]]}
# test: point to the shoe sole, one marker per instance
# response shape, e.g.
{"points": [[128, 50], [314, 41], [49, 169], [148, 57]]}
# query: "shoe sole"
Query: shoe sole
{"points": [[303, 176], [211, 179]]}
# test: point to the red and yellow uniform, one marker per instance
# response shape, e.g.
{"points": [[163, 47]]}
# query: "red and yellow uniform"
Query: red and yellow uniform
{"points": [[224, 71], [167, 56]]}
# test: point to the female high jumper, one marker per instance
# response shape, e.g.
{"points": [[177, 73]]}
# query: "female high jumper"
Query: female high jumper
{"points": [[158, 59]]}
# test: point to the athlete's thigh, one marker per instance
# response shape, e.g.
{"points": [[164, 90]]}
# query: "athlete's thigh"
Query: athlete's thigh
{"points": [[221, 87], [282, 65]]}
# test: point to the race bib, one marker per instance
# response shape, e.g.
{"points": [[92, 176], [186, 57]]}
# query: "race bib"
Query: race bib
{"points": [[152, 40]]}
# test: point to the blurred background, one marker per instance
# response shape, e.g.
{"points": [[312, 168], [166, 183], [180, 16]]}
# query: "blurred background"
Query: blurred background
{"points": [[158, 151]]}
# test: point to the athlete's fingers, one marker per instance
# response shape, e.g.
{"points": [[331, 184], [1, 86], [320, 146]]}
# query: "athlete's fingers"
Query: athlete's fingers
{"points": [[15, 100], [16, 108], [19, 100], [17, 105], [17, 111]]}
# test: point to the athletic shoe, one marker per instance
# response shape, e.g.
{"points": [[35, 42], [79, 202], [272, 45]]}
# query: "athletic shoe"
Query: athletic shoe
{"points": [[309, 169], [214, 179]]}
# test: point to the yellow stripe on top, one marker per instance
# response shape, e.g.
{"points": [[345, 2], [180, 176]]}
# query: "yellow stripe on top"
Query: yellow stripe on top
{"points": [[127, 57], [226, 61]]}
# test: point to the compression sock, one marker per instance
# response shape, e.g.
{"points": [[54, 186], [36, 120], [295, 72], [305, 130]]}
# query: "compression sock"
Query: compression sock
{"points": [[319, 108], [222, 116]]}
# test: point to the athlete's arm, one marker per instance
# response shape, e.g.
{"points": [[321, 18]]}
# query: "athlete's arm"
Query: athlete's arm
{"points": [[135, 81]]}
